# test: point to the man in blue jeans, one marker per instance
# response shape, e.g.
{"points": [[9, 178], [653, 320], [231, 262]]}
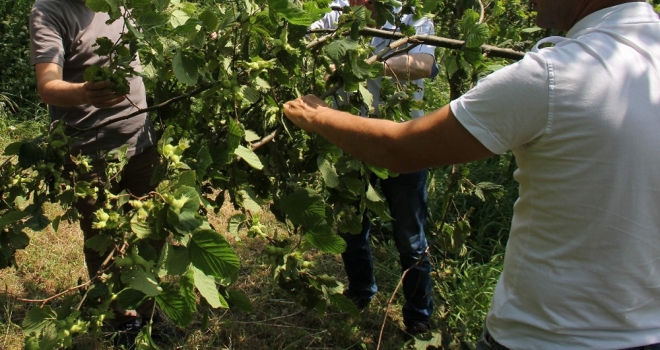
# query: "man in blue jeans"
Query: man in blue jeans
{"points": [[405, 193], [582, 117]]}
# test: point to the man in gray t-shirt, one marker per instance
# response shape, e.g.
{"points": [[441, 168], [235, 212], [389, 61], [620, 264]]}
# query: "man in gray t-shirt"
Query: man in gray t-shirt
{"points": [[63, 33]]}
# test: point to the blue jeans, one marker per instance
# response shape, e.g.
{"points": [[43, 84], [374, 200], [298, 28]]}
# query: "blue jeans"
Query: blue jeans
{"points": [[406, 196], [486, 342]]}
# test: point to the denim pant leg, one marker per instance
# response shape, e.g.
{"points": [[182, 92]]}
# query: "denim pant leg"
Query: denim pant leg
{"points": [[359, 263], [407, 198]]}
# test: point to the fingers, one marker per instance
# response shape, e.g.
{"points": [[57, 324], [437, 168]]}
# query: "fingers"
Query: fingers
{"points": [[99, 94]]}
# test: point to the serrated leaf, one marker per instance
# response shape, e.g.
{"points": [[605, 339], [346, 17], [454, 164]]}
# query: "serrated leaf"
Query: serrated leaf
{"points": [[251, 136], [208, 289], [19, 240], [292, 13], [236, 133], [130, 298], [102, 5], [373, 195], [175, 306], [12, 217], [337, 49], [13, 148], [178, 18], [99, 243], [141, 280], [349, 222], [175, 261], [305, 207], [344, 304], [187, 290], [210, 252], [367, 96], [251, 95], [326, 242], [37, 319], [249, 156], [477, 35], [140, 228], [210, 20], [328, 172], [185, 69], [149, 20], [240, 300], [262, 84], [204, 160], [55, 224], [235, 223], [250, 201]]}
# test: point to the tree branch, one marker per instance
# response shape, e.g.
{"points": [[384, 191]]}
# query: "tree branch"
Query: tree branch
{"points": [[489, 50]]}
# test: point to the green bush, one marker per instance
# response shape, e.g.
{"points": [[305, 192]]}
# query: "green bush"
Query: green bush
{"points": [[17, 80]]}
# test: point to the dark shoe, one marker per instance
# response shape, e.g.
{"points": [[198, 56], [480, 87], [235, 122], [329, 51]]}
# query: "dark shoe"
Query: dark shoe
{"points": [[127, 333], [359, 301], [416, 328]]}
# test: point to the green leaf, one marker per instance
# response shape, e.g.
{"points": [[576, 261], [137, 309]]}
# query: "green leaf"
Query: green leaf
{"points": [[477, 36], [292, 13], [235, 223], [373, 195], [210, 20], [249, 156], [337, 49], [12, 217], [185, 69], [210, 252], [37, 319], [250, 201], [19, 240], [251, 136], [55, 224], [187, 290], [141, 280], [367, 96], [13, 148], [328, 172], [251, 95], [140, 228], [344, 304], [175, 261], [236, 133], [174, 305], [240, 300], [102, 5], [178, 18], [208, 289], [99, 243], [204, 160], [305, 207], [326, 242], [130, 298]]}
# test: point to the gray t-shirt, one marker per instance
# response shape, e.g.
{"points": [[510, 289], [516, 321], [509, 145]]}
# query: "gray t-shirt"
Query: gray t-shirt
{"points": [[63, 32]]}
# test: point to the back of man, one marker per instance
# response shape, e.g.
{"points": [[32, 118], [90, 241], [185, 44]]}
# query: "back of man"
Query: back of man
{"points": [[582, 266]]}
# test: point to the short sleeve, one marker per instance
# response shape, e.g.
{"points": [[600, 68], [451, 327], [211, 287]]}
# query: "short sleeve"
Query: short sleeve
{"points": [[424, 26], [509, 108], [46, 42]]}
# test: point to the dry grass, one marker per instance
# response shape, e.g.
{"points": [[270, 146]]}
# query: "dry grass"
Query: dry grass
{"points": [[54, 262]]}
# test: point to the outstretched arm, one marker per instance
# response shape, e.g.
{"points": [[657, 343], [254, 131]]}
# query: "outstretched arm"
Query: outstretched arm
{"points": [[435, 139], [57, 92]]}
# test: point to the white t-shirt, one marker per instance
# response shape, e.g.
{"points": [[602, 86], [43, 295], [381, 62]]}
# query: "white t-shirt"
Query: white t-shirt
{"points": [[582, 265]]}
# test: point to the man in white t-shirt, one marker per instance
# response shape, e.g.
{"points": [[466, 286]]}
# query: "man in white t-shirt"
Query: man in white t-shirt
{"points": [[582, 265], [405, 193]]}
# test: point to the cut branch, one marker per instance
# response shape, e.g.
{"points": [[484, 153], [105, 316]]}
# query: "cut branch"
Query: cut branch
{"points": [[488, 50]]}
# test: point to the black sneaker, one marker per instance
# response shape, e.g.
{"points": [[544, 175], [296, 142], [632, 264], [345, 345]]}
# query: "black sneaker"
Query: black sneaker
{"points": [[359, 301], [416, 328], [127, 333]]}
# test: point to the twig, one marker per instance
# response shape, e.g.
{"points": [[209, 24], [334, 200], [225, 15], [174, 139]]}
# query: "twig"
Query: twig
{"points": [[483, 12], [389, 303]]}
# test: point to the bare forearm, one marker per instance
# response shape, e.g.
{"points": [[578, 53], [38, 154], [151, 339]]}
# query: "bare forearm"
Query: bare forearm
{"points": [[409, 67], [63, 94], [370, 140]]}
